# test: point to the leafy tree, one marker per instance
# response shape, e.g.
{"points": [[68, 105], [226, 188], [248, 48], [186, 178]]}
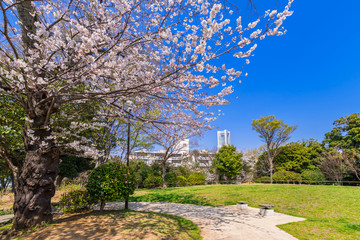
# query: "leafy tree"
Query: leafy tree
{"points": [[110, 181], [228, 162], [274, 133], [298, 156], [345, 136], [71, 166]]}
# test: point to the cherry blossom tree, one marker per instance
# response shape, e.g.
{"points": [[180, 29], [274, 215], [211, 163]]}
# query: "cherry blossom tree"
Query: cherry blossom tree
{"points": [[158, 54], [170, 138]]}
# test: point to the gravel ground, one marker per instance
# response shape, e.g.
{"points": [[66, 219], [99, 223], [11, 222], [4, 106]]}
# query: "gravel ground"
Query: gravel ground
{"points": [[220, 223]]}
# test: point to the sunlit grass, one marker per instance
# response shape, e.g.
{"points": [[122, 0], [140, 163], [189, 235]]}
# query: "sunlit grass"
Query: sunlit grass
{"points": [[333, 212]]}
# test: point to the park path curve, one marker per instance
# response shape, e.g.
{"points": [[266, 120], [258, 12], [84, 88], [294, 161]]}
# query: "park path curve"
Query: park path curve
{"points": [[5, 218], [221, 223]]}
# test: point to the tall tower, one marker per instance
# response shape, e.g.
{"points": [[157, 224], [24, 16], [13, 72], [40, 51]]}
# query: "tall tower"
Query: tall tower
{"points": [[223, 138]]}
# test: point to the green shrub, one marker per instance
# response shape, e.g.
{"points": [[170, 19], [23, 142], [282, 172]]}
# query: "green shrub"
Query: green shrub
{"points": [[181, 181], [170, 179], [110, 181], [263, 179], [196, 179], [75, 201], [287, 176], [152, 181], [312, 176]]}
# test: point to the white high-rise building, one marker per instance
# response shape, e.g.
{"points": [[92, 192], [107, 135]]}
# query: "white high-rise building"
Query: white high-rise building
{"points": [[223, 138]]}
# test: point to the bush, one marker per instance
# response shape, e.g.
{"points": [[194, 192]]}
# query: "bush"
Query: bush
{"points": [[152, 181], [263, 179], [196, 179], [170, 179], [181, 181], [312, 176], [75, 201], [287, 176], [109, 182]]}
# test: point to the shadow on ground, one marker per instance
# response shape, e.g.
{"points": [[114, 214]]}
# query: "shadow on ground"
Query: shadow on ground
{"points": [[170, 197]]}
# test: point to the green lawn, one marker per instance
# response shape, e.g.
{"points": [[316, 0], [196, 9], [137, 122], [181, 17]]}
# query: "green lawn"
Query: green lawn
{"points": [[332, 212]]}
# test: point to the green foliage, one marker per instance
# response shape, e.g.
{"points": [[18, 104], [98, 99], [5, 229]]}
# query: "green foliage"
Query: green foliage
{"points": [[75, 201], [111, 181], [312, 176], [298, 156], [345, 134], [228, 162], [263, 179], [152, 181], [170, 179], [286, 176], [273, 131], [71, 166], [181, 181], [196, 179], [12, 120]]}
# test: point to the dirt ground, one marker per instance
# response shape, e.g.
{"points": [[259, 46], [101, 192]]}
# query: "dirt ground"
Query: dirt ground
{"points": [[111, 225], [6, 201]]}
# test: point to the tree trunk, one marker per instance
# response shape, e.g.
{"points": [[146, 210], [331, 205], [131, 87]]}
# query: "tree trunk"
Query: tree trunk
{"points": [[163, 173], [58, 181], [271, 171], [35, 184], [102, 204], [35, 188]]}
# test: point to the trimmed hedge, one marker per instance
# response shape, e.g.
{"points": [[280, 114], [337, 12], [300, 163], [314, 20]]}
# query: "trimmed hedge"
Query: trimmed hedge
{"points": [[264, 179], [312, 176], [286, 176]]}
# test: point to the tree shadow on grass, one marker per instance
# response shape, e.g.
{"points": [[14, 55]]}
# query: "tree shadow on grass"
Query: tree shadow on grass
{"points": [[171, 197]]}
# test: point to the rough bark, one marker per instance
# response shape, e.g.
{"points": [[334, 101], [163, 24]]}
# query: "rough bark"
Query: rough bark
{"points": [[35, 185], [35, 188], [163, 173]]}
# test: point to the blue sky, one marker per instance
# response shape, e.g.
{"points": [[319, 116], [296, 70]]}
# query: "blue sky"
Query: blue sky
{"points": [[309, 77]]}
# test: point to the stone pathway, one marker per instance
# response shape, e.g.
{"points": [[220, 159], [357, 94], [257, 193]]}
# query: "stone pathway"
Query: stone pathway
{"points": [[220, 223], [5, 218]]}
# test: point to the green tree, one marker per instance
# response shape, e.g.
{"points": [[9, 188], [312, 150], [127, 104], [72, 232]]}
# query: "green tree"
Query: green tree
{"points": [[345, 136], [274, 133], [12, 154], [298, 156], [228, 162]]}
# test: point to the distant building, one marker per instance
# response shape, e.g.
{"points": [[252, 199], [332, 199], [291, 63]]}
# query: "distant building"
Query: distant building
{"points": [[223, 138], [151, 157]]}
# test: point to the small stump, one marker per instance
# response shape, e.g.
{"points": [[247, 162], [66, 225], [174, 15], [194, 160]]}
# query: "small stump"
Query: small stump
{"points": [[242, 205], [266, 210]]}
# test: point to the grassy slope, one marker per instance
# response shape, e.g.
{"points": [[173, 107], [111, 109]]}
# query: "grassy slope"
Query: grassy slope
{"points": [[333, 212]]}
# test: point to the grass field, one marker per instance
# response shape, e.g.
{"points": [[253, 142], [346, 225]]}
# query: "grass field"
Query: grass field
{"points": [[332, 212]]}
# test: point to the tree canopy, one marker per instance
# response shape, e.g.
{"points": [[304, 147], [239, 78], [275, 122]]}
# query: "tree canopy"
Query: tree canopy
{"points": [[274, 133], [228, 162]]}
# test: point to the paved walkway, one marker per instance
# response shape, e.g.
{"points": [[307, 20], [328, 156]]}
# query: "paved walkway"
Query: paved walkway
{"points": [[5, 218], [220, 223]]}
